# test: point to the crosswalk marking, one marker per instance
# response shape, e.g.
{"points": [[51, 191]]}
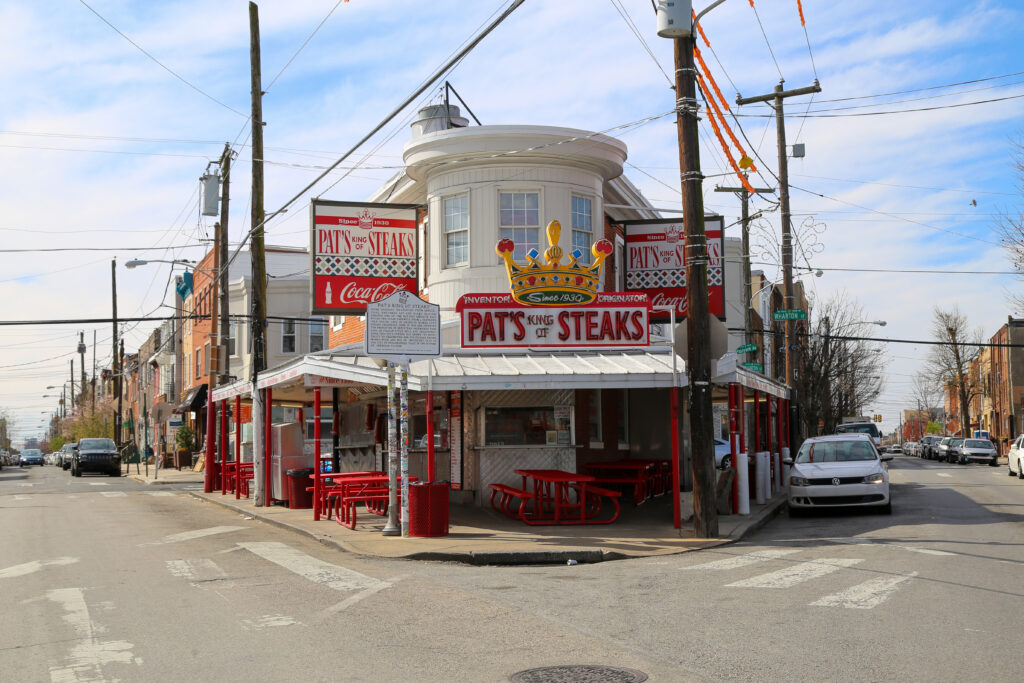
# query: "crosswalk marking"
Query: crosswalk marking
{"points": [[745, 560], [798, 573], [196, 570], [313, 569], [944, 474], [191, 535], [98, 483], [159, 493], [34, 566], [865, 595], [113, 494]]}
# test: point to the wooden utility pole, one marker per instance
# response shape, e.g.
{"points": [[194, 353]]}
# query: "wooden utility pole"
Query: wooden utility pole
{"points": [[744, 194], [224, 362], [120, 386], [92, 383], [115, 362], [259, 266], [72, 386], [81, 356], [698, 336], [777, 97]]}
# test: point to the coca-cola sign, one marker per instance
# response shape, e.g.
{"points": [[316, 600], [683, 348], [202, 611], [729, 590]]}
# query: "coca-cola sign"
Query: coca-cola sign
{"points": [[656, 264], [360, 253]]}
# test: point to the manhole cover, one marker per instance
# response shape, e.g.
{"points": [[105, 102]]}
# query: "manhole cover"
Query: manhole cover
{"points": [[579, 673]]}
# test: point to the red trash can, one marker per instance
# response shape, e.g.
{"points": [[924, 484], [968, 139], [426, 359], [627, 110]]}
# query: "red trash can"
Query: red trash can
{"points": [[298, 497], [428, 508]]}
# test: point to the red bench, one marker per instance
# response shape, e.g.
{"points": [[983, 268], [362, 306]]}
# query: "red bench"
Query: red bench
{"points": [[592, 503], [507, 494]]}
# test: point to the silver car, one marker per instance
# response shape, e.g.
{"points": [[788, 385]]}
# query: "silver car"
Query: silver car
{"points": [[978, 450], [840, 470]]}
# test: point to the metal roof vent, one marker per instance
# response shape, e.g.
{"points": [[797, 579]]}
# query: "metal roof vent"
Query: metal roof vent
{"points": [[437, 117]]}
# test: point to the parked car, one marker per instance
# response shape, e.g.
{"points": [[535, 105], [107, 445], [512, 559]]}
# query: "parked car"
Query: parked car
{"points": [[941, 447], [896, 448], [953, 449], [930, 446], [838, 470], [723, 454], [31, 456], [66, 453], [978, 450], [96, 455], [1015, 458]]}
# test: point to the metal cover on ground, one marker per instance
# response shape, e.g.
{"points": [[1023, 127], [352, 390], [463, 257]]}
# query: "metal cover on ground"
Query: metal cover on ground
{"points": [[579, 673]]}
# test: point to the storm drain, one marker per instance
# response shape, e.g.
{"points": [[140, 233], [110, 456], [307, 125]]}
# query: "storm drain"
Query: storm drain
{"points": [[579, 673]]}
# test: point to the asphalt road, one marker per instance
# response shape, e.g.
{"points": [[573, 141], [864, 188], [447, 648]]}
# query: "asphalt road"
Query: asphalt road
{"points": [[107, 579]]}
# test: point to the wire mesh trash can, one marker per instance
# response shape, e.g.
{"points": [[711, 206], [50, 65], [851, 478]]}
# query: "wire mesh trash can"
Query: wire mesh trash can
{"points": [[298, 497], [428, 508]]}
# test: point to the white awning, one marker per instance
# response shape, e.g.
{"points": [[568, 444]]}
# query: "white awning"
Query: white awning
{"points": [[239, 388], [753, 380]]}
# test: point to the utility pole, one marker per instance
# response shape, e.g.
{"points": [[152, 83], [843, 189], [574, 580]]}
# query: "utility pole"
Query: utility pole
{"points": [[224, 358], [115, 362], [674, 21], [259, 267], [744, 194], [72, 386], [117, 424], [777, 97], [81, 355], [92, 384]]}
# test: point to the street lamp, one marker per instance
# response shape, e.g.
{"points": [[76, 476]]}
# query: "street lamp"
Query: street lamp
{"points": [[135, 263]]}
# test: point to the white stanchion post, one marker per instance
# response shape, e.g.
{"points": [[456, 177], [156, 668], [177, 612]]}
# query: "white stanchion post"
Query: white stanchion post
{"points": [[760, 477], [743, 483], [777, 469], [785, 467]]}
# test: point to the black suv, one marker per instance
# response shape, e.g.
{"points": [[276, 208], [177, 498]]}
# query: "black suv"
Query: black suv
{"points": [[96, 455]]}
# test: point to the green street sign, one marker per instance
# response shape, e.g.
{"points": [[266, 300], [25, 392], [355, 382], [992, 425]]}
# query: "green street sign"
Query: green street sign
{"points": [[756, 367], [747, 348], [789, 314]]}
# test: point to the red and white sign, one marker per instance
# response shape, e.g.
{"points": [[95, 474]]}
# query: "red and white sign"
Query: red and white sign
{"points": [[360, 253], [498, 321], [656, 264]]}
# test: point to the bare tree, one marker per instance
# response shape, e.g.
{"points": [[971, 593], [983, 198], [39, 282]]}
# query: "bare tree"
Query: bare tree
{"points": [[1011, 229], [926, 392], [950, 361], [842, 371]]}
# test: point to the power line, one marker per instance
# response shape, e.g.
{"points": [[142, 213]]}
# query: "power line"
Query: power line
{"points": [[639, 36], [933, 87], [912, 187], [881, 113], [161, 64]]}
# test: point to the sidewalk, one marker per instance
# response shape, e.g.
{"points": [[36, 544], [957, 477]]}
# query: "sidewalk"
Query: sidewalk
{"points": [[480, 536], [165, 476]]}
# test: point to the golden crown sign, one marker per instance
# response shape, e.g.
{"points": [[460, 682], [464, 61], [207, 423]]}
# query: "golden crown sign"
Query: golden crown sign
{"points": [[551, 283]]}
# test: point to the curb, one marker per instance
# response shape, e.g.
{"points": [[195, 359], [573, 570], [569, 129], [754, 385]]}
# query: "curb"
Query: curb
{"points": [[162, 482], [499, 558]]}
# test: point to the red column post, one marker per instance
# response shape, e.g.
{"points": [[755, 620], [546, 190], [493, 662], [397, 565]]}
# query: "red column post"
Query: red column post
{"points": [[209, 467], [757, 421], [223, 449], [316, 454], [430, 436], [238, 447], [268, 413], [677, 520]]}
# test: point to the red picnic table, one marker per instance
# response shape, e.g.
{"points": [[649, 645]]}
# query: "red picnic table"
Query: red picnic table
{"points": [[370, 490], [320, 506], [646, 476], [551, 501]]}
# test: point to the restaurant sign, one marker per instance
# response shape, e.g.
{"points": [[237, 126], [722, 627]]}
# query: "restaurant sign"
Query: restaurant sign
{"points": [[360, 253], [611, 320], [656, 263]]}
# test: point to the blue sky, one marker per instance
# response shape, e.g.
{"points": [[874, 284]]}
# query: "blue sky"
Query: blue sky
{"points": [[101, 147]]}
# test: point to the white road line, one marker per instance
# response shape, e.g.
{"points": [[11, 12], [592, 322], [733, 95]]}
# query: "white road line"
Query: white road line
{"points": [[745, 560], [944, 474], [34, 566], [865, 595], [191, 535], [88, 655], [159, 493], [317, 571], [24, 484], [23, 498], [98, 483], [926, 551], [798, 573], [196, 570], [113, 494], [269, 621]]}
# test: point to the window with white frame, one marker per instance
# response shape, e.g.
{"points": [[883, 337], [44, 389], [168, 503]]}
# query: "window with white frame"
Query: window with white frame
{"points": [[288, 336], [206, 360], [582, 226], [232, 337], [317, 335], [456, 230], [199, 361], [519, 218]]}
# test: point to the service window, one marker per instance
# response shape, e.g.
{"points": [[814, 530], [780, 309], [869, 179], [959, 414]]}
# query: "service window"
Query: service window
{"points": [[520, 426]]}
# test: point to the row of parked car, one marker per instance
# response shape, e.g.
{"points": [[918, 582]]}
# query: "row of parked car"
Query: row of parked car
{"points": [[87, 455], [953, 449]]}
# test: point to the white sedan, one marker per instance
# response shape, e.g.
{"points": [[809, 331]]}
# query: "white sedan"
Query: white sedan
{"points": [[842, 470], [1015, 458]]}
